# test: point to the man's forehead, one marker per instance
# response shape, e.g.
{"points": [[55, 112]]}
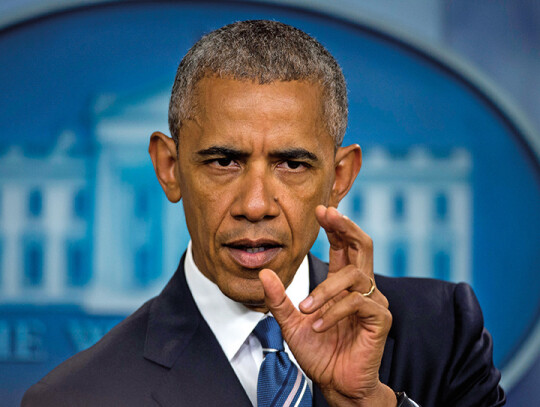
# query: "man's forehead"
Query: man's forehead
{"points": [[214, 89], [284, 114]]}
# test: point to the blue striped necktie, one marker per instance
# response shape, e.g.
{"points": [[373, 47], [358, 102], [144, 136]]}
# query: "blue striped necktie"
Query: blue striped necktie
{"points": [[280, 383]]}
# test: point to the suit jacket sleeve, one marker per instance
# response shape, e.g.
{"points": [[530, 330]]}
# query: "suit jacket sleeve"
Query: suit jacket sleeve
{"points": [[472, 378], [41, 394], [438, 351]]}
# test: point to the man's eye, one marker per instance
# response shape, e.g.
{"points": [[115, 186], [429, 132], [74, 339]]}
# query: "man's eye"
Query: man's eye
{"points": [[293, 165], [223, 162]]}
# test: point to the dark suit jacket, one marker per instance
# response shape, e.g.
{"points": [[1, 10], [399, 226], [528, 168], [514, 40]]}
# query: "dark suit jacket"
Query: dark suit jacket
{"points": [[166, 355]]}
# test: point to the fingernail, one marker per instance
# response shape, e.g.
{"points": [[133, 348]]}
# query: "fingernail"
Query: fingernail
{"points": [[307, 303], [317, 324]]}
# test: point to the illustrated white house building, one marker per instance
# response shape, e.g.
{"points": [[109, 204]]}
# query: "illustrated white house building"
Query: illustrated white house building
{"points": [[97, 231], [45, 221]]}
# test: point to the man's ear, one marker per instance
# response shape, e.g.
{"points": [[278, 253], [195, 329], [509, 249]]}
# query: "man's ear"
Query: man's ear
{"points": [[162, 150], [348, 162]]}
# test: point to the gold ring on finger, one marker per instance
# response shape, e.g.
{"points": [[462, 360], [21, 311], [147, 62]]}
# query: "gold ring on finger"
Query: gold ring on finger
{"points": [[371, 289]]}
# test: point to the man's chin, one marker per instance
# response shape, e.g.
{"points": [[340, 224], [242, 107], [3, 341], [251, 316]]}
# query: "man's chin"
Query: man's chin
{"points": [[255, 303], [248, 293], [256, 306]]}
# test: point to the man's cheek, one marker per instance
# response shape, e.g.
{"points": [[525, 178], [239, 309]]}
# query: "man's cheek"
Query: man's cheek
{"points": [[308, 194]]}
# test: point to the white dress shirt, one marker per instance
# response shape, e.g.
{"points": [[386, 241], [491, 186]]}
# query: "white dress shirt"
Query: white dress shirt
{"points": [[233, 323]]}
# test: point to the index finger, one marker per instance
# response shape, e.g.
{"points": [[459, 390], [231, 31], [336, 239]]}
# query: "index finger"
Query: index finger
{"points": [[349, 244]]}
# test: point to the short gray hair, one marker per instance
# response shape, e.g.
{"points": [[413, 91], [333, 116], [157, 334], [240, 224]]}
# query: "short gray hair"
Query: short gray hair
{"points": [[266, 51]]}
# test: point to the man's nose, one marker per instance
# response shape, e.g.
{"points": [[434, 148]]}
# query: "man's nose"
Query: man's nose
{"points": [[256, 197]]}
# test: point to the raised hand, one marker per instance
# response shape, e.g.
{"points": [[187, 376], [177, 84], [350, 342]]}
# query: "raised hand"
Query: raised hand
{"points": [[338, 335]]}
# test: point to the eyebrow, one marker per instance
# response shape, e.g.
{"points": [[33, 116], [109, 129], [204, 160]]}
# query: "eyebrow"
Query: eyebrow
{"points": [[222, 151], [294, 154], [233, 153]]}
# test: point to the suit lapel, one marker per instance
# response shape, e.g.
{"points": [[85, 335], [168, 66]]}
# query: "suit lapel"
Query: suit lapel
{"points": [[202, 376], [179, 338]]}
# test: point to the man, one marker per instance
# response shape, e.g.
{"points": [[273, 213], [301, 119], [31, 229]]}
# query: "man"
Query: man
{"points": [[257, 117]]}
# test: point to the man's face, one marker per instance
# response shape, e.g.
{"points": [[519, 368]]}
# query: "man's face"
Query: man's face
{"points": [[253, 164]]}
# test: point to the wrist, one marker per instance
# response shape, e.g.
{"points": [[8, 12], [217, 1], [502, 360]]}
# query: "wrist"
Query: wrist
{"points": [[382, 396]]}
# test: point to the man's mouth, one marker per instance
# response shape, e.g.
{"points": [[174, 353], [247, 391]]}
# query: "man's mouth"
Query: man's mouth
{"points": [[253, 254], [255, 249]]}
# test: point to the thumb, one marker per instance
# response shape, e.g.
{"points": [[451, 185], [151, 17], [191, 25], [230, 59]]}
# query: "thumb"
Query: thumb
{"points": [[277, 301]]}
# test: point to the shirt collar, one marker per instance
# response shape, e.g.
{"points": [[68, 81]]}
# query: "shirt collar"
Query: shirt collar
{"points": [[232, 322]]}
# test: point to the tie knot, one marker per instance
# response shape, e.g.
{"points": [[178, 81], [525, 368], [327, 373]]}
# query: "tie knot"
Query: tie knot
{"points": [[269, 333]]}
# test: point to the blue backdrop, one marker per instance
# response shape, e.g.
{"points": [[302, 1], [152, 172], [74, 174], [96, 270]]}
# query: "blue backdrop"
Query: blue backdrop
{"points": [[449, 186]]}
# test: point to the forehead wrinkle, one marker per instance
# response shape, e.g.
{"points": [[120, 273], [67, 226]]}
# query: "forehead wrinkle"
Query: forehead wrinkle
{"points": [[246, 112], [258, 95]]}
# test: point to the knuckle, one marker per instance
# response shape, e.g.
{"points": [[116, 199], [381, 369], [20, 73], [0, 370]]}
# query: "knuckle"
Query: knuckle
{"points": [[352, 273], [350, 268], [387, 318], [384, 301], [355, 274], [368, 242], [356, 299], [319, 292], [334, 245]]}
